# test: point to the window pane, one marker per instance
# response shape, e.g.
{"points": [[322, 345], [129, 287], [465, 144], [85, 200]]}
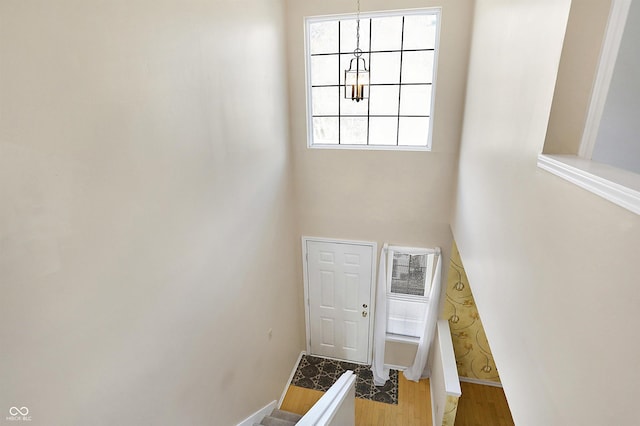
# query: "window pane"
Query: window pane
{"points": [[353, 131], [417, 67], [323, 37], [383, 100], [325, 130], [383, 130], [385, 68], [351, 107], [416, 100], [386, 33], [406, 317], [413, 131], [408, 274], [324, 70], [348, 34], [419, 32], [324, 100]]}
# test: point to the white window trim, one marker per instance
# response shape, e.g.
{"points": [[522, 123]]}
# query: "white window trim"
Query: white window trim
{"points": [[616, 185], [365, 15], [401, 338]]}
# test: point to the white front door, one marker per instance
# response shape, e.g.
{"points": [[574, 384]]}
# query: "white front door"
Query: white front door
{"points": [[340, 291]]}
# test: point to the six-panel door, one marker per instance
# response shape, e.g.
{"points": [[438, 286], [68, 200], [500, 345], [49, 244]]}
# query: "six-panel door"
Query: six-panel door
{"points": [[339, 282]]}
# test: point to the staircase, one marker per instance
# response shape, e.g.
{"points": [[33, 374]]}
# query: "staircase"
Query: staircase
{"points": [[279, 418], [335, 408]]}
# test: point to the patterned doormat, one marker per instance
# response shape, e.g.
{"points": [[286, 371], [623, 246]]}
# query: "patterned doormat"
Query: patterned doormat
{"points": [[320, 373]]}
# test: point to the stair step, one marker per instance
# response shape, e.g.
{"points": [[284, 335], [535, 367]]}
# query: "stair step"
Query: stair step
{"points": [[274, 421], [286, 415]]}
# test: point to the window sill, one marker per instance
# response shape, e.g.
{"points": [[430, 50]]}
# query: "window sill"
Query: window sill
{"points": [[402, 339], [616, 185], [372, 147]]}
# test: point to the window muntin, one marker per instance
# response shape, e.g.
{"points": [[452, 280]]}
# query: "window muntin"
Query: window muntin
{"points": [[408, 275], [401, 51]]}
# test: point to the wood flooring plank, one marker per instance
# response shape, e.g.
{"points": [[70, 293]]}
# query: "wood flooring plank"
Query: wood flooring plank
{"points": [[479, 406], [482, 405]]}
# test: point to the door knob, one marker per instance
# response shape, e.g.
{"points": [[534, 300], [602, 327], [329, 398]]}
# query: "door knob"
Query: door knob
{"points": [[364, 314]]}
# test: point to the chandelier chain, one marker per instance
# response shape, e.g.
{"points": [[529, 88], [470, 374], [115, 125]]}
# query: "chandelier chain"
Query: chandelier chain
{"points": [[358, 28]]}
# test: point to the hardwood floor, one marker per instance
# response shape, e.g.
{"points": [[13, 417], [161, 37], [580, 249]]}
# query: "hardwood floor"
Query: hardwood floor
{"points": [[482, 405], [479, 405], [413, 409]]}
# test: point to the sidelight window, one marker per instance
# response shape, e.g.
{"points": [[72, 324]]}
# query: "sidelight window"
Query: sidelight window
{"points": [[410, 276]]}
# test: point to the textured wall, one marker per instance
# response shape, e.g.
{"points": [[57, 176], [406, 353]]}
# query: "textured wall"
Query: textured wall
{"points": [[450, 410], [470, 344]]}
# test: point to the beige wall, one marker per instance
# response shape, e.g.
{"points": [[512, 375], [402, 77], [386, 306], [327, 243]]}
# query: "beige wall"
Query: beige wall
{"points": [[383, 196], [400, 354], [554, 268], [147, 235], [578, 66]]}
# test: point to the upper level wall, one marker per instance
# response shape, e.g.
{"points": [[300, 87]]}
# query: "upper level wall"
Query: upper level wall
{"points": [[383, 196], [554, 268]]}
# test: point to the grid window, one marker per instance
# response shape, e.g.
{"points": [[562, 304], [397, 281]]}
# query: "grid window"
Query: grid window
{"points": [[400, 51]]}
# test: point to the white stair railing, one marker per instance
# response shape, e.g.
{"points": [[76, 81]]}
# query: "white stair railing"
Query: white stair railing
{"points": [[444, 381], [337, 405]]}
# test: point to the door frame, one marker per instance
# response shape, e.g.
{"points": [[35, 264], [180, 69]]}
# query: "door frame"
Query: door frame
{"points": [[372, 290]]}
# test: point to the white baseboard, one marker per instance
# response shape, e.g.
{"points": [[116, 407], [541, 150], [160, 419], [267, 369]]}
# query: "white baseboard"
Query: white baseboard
{"points": [[481, 382], [259, 415], [293, 373]]}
